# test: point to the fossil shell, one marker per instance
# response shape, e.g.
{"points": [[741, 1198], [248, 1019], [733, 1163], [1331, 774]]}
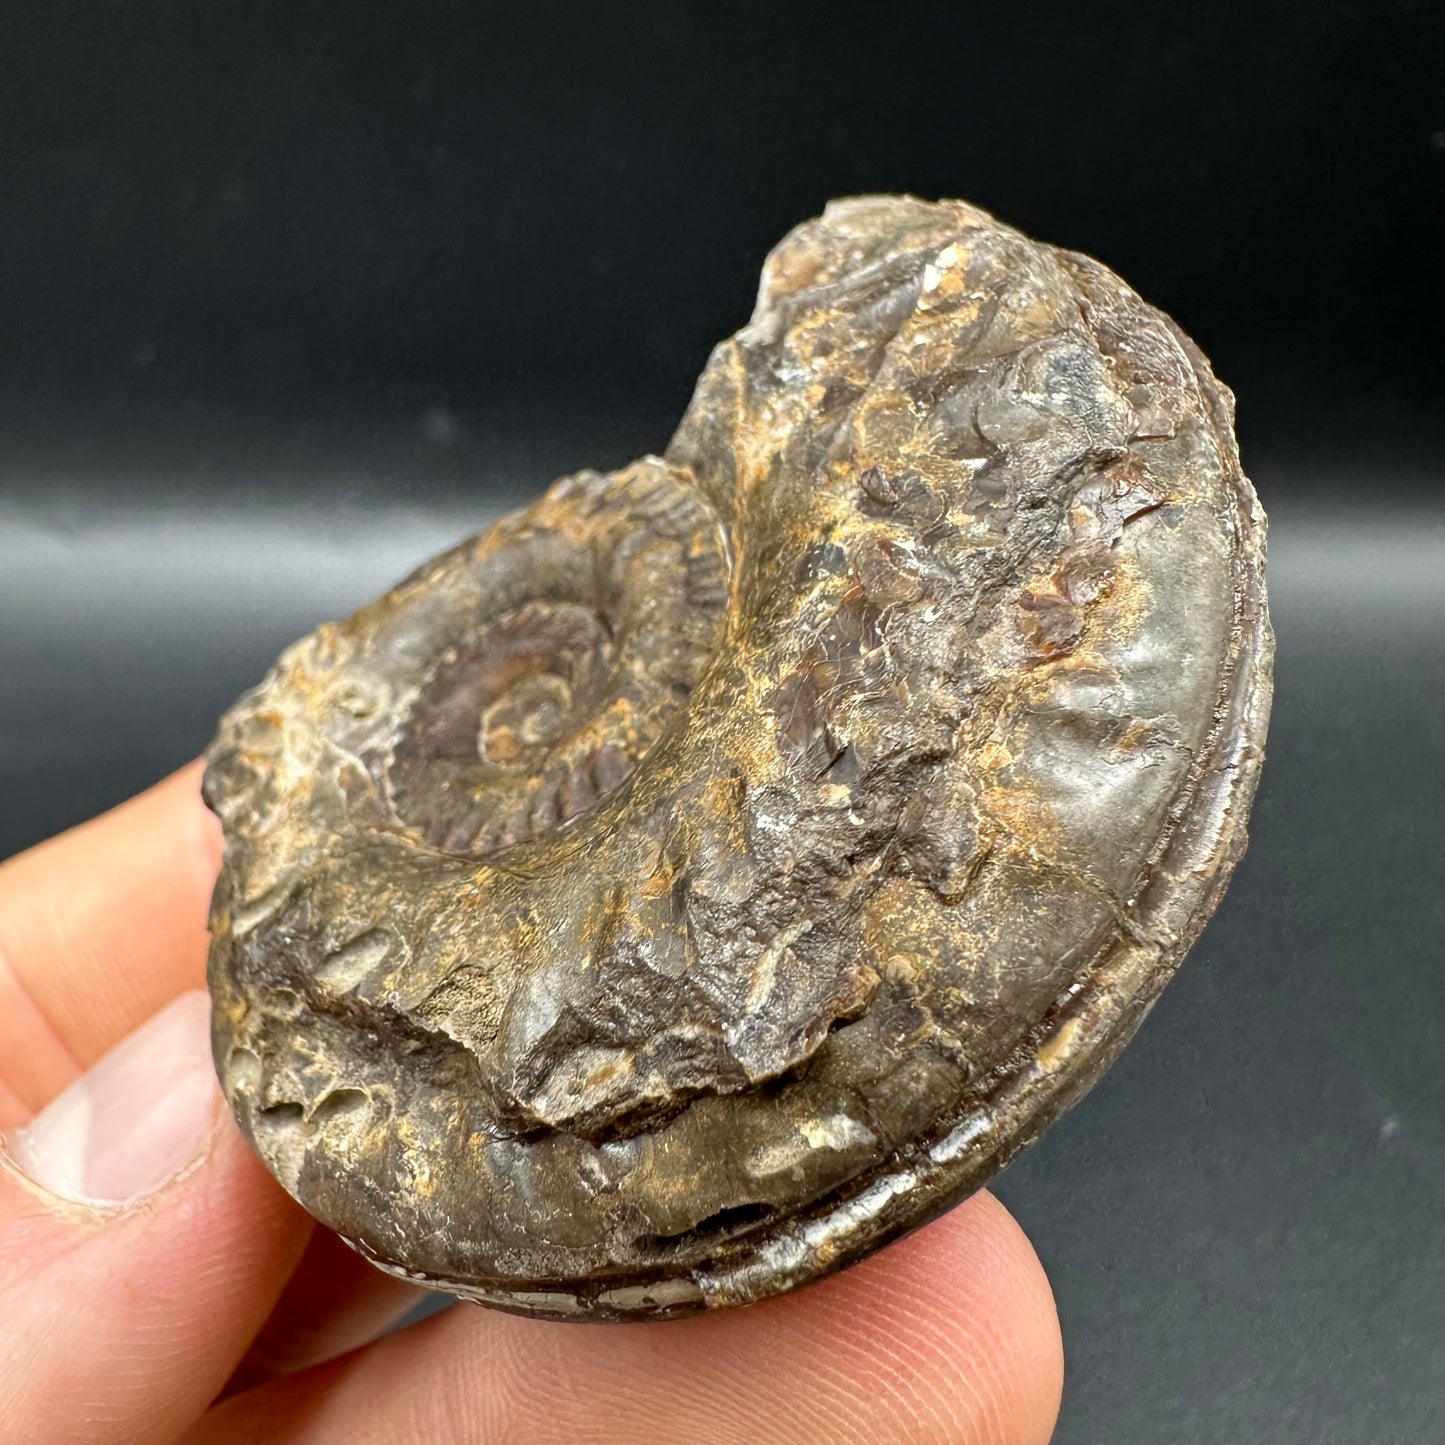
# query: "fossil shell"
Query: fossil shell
{"points": [[723, 866]]}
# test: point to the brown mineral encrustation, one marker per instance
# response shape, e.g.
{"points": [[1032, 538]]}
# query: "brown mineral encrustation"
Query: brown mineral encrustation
{"points": [[725, 865]]}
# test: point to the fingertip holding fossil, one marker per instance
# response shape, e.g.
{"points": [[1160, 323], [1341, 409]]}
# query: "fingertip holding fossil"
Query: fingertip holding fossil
{"points": [[725, 865]]}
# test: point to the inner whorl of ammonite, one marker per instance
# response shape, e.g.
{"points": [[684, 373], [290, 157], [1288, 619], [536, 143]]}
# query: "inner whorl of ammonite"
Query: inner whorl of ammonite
{"points": [[594, 616]]}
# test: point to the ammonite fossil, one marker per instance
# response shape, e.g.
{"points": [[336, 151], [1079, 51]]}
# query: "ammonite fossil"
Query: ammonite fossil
{"points": [[723, 866]]}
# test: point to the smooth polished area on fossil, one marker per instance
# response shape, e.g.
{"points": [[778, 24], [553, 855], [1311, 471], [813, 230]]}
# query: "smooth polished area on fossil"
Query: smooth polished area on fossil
{"points": [[724, 865]]}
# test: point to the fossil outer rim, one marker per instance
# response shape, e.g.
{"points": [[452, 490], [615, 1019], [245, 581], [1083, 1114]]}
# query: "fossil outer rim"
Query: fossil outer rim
{"points": [[329, 772]]}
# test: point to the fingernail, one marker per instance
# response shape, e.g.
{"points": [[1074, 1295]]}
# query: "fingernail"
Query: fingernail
{"points": [[138, 1118]]}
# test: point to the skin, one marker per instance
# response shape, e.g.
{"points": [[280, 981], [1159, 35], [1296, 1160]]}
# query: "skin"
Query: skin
{"points": [[216, 1311]]}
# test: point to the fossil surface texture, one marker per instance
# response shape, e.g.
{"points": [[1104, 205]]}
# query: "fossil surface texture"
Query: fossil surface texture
{"points": [[724, 865]]}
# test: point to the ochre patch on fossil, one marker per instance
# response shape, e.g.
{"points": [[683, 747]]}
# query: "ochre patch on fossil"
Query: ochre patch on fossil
{"points": [[722, 866]]}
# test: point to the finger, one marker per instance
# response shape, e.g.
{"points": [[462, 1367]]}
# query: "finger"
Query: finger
{"points": [[99, 928], [950, 1335], [144, 1244], [334, 1302]]}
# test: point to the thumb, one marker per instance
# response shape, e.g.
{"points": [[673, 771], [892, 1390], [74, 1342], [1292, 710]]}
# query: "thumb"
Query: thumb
{"points": [[144, 1245]]}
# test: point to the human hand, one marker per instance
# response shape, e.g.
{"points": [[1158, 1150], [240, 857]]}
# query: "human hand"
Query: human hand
{"points": [[160, 1286]]}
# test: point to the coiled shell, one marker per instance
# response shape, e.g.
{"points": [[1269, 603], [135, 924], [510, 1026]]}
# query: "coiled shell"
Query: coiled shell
{"points": [[723, 866]]}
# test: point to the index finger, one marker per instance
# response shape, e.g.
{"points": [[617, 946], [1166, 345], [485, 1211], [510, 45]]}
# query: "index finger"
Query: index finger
{"points": [[99, 929]]}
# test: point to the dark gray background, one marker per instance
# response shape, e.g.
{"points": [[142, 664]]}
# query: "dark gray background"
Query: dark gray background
{"points": [[293, 295]]}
